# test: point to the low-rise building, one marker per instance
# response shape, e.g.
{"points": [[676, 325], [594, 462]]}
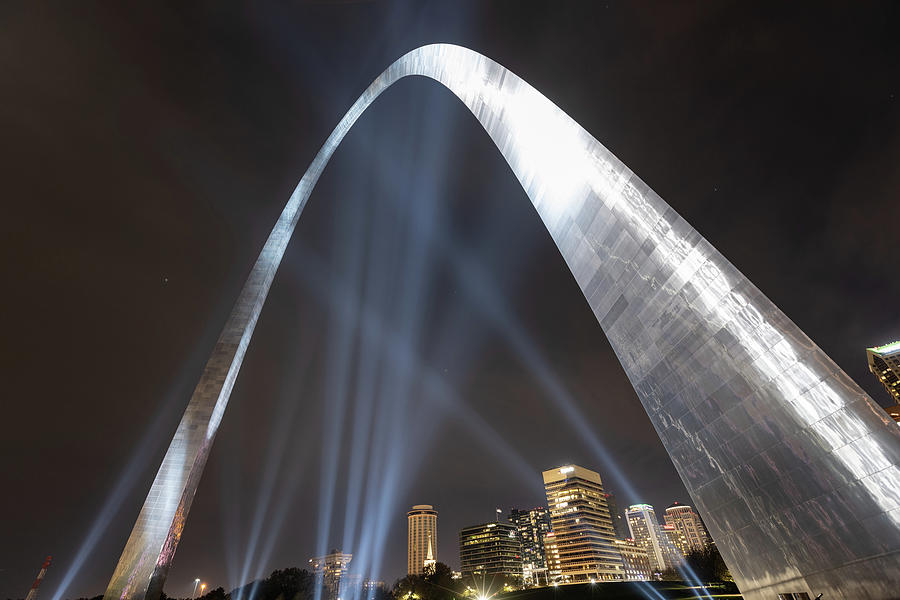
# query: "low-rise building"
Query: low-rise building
{"points": [[636, 562]]}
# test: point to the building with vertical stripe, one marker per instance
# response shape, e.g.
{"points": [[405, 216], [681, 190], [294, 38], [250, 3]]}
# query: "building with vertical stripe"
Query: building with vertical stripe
{"points": [[421, 539]]}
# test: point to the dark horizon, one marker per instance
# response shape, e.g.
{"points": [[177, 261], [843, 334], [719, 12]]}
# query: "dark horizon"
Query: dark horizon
{"points": [[150, 150]]}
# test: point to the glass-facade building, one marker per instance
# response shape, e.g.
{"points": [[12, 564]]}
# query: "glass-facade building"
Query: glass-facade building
{"points": [[490, 549], [620, 526], [646, 532], [531, 527]]}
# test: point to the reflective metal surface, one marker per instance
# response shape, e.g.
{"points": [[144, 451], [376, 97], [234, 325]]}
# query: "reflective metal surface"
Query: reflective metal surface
{"points": [[793, 468]]}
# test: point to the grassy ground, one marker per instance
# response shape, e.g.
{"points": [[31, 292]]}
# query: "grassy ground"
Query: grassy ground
{"points": [[651, 590]]}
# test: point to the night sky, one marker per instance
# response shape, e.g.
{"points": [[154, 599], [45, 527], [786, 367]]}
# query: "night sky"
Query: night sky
{"points": [[421, 313]]}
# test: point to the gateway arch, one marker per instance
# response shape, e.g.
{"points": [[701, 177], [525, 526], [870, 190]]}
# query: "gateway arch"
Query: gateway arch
{"points": [[794, 469]]}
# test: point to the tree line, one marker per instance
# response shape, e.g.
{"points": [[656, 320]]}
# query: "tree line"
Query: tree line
{"points": [[436, 584]]}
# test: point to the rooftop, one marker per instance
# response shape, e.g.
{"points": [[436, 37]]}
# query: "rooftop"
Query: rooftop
{"points": [[893, 346]]}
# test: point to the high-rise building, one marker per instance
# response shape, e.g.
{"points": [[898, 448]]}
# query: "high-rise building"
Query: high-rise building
{"points": [[645, 531], [675, 546], [635, 560], [582, 528], [531, 527], [331, 572], [615, 513], [490, 549], [422, 538], [894, 412], [884, 362], [688, 522]]}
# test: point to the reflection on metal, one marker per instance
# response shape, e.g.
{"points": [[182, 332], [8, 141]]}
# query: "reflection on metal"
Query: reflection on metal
{"points": [[793, 468]]}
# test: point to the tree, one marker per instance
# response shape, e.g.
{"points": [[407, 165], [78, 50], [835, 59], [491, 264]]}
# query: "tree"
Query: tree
{"points": [[670, 575], [282, 584], [290, 584], [216, 594], [707, 564], [437, 584]]}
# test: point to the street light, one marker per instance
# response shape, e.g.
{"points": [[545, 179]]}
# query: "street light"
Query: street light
{"points": [[196, 583], [202, 587]]}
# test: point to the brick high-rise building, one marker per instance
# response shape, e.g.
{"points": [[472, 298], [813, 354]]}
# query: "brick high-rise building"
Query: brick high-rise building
{"points": [[688, 522]]}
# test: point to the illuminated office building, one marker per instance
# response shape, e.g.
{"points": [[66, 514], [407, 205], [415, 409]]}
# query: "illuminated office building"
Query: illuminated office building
{"points": [[645, 532], [531, 527], [635, 560], [490, 549], [421, 539], [683, 518], [551, 555], [582, 528], [331, 572], [884, 362]]}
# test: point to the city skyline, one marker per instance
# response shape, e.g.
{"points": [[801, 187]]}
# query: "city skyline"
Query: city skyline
{"points": [[475, 540], [422, 524], [332, 569], [138, 281]]}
